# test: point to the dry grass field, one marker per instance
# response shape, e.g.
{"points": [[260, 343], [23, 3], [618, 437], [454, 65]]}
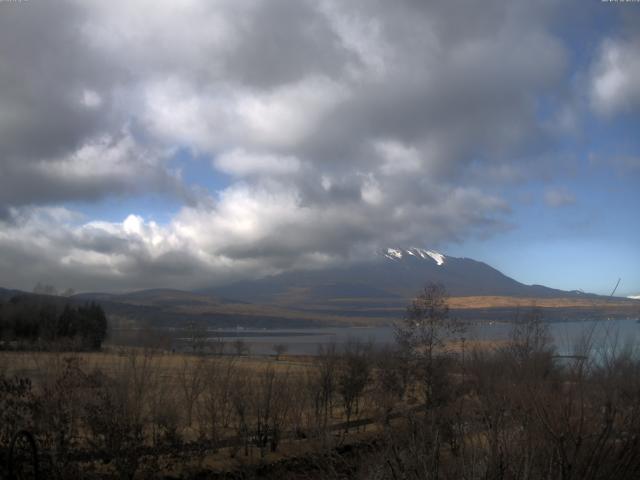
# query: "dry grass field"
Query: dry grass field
{"points": [[227, 412], [479, 301], [525, 302], [423, 404], [36, 365], [137, 413]]}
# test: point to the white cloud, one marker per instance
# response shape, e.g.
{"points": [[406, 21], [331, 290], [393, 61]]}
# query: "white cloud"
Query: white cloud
{"points": [[371, 191], [398, 158], [177, 113], [614, 81], [91, 98], [287, 115], [250, 231], [101, 158]]}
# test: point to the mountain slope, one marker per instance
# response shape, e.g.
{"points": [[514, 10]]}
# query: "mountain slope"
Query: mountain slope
{"points": [[394, 275], [367, 293]]}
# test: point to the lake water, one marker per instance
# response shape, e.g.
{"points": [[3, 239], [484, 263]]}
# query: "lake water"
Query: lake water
{"points": [[306, 341]]}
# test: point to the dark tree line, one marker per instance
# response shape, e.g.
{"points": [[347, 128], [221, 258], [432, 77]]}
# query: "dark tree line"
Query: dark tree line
{"points": [[28, 319]]}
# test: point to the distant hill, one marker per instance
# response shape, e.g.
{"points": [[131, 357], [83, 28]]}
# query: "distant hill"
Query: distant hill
{"points": [[170, 307], [6, 293]]}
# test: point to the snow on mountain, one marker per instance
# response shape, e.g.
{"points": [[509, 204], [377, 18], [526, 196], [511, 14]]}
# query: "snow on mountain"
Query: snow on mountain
{"points": [[393, 254], [398, 254], [634, 297], [438, 257]]}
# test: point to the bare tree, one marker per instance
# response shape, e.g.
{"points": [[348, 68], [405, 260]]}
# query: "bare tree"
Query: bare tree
{"points": [[216, 407], [217, 344], [263, 407], [192, 383], [198, 337], [282, 409], [322, 385], [423, 336], [118, 411], [391, 379], [279, 349], [353, 377], [240, 347], [531, 344], [241, 399]]}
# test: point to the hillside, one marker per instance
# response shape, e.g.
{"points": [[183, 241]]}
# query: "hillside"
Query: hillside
{"points": [[392, 277], [371, 292], [366, 293]]}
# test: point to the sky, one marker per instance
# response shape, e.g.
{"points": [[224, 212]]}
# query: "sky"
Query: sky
{"points": [[193, 143]]}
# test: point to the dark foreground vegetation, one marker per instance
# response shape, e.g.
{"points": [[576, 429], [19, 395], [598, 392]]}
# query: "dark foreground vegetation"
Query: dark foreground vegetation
{"points": [[428, 409], [37, 322]]}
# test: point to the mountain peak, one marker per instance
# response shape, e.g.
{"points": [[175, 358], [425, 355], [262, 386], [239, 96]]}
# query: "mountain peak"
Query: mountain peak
{"points": [[400, 253]]}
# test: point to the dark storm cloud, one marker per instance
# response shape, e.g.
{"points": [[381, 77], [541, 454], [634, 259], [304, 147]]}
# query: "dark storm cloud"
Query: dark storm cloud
{"points": [[45, 67], [61, 128]]}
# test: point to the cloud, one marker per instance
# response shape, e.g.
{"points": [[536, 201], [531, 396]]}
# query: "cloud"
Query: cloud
{"points": [[65, 117], [558, 197], [614, 77], [250, 231], [242, 164], [337, 126], [104, 165]]}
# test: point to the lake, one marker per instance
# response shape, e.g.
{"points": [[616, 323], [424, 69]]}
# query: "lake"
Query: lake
{"points": [[306, 341]]}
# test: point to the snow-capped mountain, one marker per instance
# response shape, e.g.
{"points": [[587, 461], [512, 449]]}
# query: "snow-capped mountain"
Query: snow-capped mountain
{"points": [[371, 291], [398, 254], [374, 290], [634, 297], [395, 273]]}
